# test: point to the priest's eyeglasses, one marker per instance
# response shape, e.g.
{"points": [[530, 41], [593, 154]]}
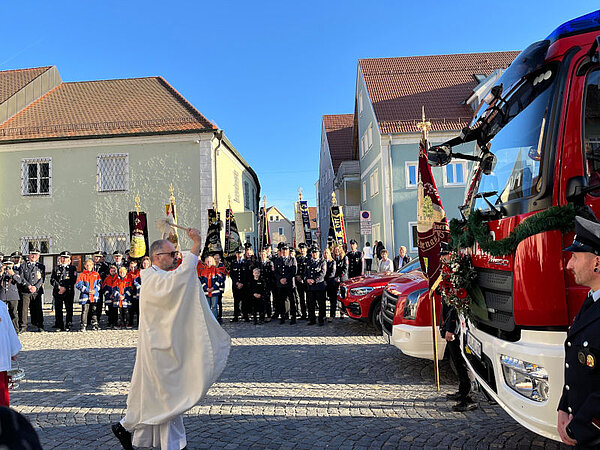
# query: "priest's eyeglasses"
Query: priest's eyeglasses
{"points": [[173, 254]]}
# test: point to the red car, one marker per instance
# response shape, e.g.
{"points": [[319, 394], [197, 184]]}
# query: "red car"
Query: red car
{"points": [[406, 316], [360, 297]]}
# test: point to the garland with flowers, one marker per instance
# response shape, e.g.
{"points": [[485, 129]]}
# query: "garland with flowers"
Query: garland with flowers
{"points": [[464, 233], [458, 288]]}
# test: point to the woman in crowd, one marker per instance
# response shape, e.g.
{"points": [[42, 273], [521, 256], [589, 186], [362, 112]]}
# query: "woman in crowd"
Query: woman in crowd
{"points": [[367, 258], [341, 274], [331, 285]]}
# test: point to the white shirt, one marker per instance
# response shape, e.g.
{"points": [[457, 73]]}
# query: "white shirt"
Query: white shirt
{"points": [[9, 341], [385, 265], [595, 294], [368, 252]]}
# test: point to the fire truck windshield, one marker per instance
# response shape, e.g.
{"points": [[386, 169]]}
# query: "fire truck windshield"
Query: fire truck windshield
{"points": [[515, 128]]}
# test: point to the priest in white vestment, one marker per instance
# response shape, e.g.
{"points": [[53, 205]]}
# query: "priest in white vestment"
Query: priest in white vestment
{"points": [[181, 351]]}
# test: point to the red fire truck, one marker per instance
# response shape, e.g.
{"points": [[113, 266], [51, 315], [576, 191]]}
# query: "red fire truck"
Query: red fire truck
{"points": [[538, 135]]}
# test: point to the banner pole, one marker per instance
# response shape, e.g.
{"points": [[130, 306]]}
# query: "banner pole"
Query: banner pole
{"points": [[436, 366]]}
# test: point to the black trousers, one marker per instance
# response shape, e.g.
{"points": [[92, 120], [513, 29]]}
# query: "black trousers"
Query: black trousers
{"points": [[285, 298], [267, 303], [89, 314], [13, 312], [113, 315], [258, 308], [314, 299], [65, 300], [31, 302], [219, 305], [464, 382], [332, 290], [239, 302], [125, 316], [302, 297]]}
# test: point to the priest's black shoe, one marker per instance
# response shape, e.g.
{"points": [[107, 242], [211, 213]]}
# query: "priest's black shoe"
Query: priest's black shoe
{"points": [[465, 405], [454, 396], [122, 435]]}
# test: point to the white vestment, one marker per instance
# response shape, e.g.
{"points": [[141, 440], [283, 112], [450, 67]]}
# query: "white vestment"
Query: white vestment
{"points": [[181, 348], [9, 341]]}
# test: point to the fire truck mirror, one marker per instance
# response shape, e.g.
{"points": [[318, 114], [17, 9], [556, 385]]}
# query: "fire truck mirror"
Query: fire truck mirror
{"points": [[576, 189], [439, 155], [488, 163]]}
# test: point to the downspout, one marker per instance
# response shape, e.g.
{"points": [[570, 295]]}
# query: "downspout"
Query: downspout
{"points": [[391, 190]]}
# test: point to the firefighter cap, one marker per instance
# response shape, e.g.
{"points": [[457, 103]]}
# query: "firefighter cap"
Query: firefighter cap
{"points": [[16, 254], [98, 253], [587, 237], [65, 254], [301, 245]]}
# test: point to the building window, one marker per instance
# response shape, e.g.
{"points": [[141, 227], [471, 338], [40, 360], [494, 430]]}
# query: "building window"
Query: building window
{"points": [[364, 190], [36, 176], [360, 102], [376, 232], [411, 171], [246, 195], [280, 231], [277, 218], [454, 173], [110, 242], [39, 243], [412, 236], [236, 186], [374, 182], [113, 172], [370, 137], [271, 218]]}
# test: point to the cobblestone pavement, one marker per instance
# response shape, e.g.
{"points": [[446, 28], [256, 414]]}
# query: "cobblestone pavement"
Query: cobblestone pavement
{"points": [[336, 386]]}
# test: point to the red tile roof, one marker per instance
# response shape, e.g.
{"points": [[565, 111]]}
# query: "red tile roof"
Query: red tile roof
{"points": [[400, 87], [339, 128], [11, 81], [133, 106]]}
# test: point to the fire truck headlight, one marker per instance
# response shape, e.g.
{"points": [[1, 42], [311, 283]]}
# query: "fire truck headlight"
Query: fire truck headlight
{"points": [[528, 379]]}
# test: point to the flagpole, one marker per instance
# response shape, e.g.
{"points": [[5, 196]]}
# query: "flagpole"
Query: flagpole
{"points": [[424, 126]]}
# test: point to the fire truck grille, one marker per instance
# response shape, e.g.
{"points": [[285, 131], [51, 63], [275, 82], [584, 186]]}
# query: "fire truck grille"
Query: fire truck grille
{"points": [[496, 286], [388, 309]]}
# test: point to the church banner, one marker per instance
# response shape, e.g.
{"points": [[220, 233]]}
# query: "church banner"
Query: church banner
{"points": [[213, 235], [337, 229], [138, 234], [232, 236], [264, 238], [305, 222]]}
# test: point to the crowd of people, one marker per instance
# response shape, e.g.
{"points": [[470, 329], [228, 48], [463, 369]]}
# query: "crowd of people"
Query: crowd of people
{"points": [[286, 284]]}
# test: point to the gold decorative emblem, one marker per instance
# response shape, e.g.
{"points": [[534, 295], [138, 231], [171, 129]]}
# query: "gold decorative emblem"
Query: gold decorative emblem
{"points": [[591, 361]]}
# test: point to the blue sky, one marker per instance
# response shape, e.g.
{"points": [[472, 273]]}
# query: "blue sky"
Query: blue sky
{"points": [[265, 72]]}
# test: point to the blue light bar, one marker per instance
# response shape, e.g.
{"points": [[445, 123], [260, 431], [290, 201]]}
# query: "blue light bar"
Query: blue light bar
{"points": [[583, 24]]}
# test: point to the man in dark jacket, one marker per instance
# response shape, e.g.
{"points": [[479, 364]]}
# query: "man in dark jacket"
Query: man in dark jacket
{"points": [[63, 278], [239, 281], [354, 260], [9, 289], [316, 269], [285, 268], [579, 406], [301, 261], [32, 281]]}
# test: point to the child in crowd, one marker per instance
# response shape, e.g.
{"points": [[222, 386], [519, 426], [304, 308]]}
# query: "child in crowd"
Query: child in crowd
{"points": [[108, 291], [136, 283], [210, 278], [122, 297], [89, 283], [258, 291]]}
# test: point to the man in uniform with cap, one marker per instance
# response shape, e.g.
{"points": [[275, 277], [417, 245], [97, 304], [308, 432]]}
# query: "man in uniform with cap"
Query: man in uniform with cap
{"points": [[32, 281], [284, 271], [9, 289], [63, 278], [354, 260], [301, 261], [239, 280], [579, 406]]}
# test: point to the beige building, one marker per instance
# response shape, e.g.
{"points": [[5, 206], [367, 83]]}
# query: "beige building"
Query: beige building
{"points": [[281, 228], [73, 156]]}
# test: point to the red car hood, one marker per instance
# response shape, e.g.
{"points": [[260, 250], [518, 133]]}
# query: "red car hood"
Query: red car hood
{"points": [[407, 282], [375, 280]]}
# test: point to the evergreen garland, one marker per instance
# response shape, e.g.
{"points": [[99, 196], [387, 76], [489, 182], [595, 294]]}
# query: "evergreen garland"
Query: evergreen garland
{"points": [[463, 234]]}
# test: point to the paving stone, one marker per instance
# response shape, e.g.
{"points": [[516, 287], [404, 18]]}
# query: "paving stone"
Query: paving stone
{"points": [[338, 386]]}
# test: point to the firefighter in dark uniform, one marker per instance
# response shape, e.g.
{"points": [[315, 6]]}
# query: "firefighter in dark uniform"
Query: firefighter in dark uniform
{"points": [[301, 261], [579, 406], [9, 289], [354, 260], [118, 260], [266, 274], [285, 268], [316, 269], [239, 281], [63, 278], [32, 281]]}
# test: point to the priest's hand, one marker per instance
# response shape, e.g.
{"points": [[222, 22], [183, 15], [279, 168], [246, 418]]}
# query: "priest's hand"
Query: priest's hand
{"points": [[194, 235]]}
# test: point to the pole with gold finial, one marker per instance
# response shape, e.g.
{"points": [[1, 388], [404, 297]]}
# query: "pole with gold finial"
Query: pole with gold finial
{"points": [[300, 190], [425, 126], [333, 199], [137, 203]]}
